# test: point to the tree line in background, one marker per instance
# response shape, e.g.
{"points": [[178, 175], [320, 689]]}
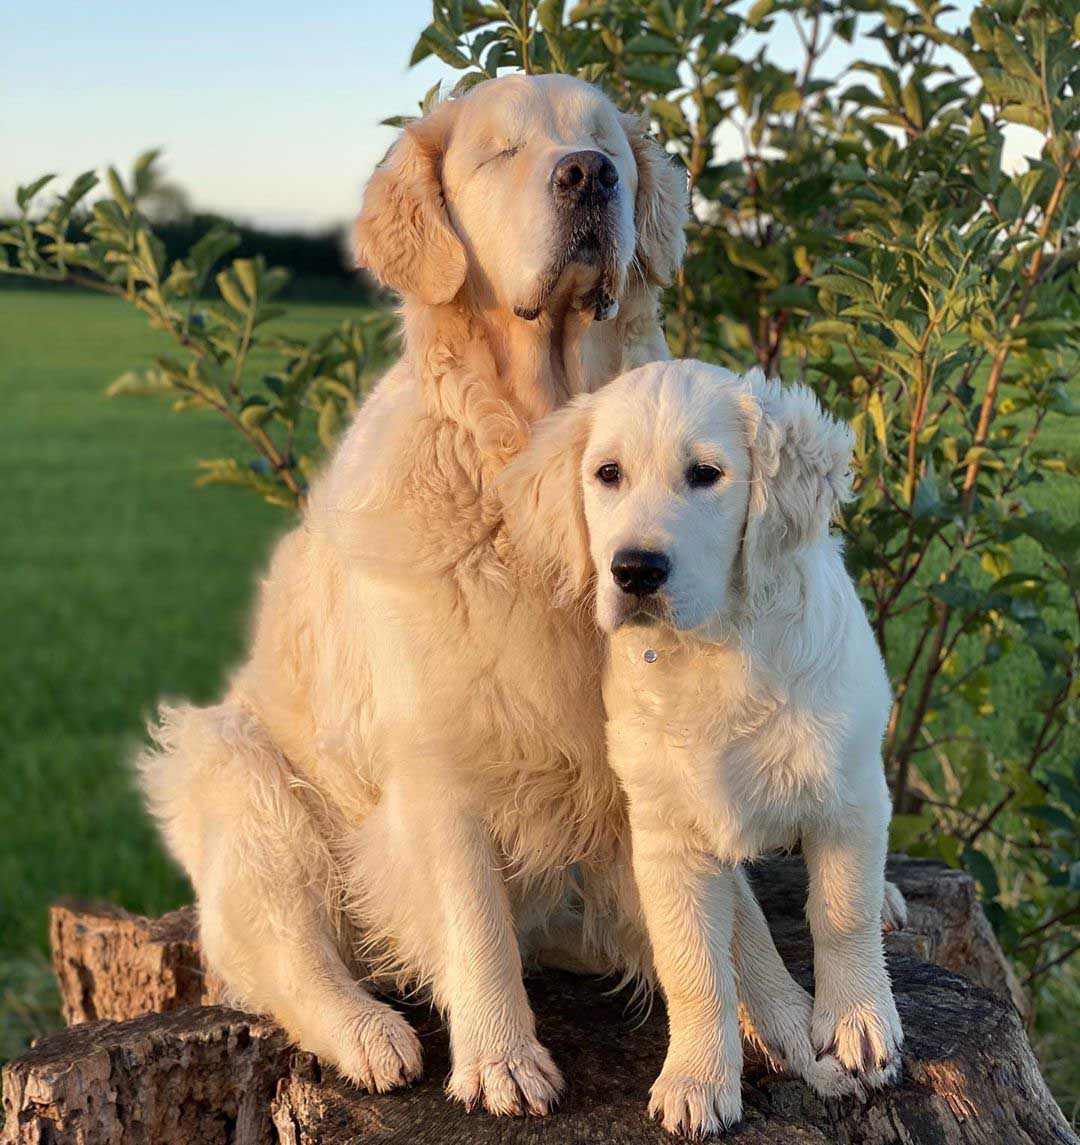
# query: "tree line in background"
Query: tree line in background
{"points": [[863, 236], [319, 263]]}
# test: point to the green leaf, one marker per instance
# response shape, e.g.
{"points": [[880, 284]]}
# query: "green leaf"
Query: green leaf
{"points": [[247, 275], [980, 866], [118, 192], [654, 77], [876, 411], [231, 291], [650, 43], [913, 102], [758, 11], [24, 195], [927, 503], [255, 412], [433, 40]]}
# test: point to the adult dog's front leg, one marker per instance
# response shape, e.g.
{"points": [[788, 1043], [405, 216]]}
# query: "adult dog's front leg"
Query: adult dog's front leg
{"points": [[855, 1015], [434, 891], [688, 902]]}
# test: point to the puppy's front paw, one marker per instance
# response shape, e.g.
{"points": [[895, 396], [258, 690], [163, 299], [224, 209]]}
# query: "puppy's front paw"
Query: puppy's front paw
{"points": [[828, 1078], [783, 1035], [519, 1081], [864, 1036], [379, 1050], [894, 913], [696, 1107]]}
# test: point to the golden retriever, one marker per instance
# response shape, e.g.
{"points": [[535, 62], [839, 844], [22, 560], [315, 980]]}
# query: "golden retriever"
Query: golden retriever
{"points": [[407, 777], [746, 700]]}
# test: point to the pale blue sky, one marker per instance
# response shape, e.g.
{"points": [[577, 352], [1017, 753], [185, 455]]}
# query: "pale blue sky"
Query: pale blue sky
{"points": [[266, 110]]}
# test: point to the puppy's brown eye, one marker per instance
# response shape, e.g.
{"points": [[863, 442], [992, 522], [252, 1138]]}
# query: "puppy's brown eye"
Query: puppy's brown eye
{"points": [[609, 474], [699, 475]]}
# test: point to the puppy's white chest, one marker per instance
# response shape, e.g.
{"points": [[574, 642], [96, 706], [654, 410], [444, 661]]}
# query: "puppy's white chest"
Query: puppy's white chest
{"points": [[711, 749]]}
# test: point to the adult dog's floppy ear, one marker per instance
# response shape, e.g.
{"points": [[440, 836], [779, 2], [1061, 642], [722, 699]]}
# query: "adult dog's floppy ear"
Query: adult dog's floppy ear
{"points": [[542, 498], [404, 235], [661, 208], [800, 465]]}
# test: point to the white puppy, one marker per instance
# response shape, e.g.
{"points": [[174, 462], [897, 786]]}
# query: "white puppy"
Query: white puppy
{"points": [[746, 701]]}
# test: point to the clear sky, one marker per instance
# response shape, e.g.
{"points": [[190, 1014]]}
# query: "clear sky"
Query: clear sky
{"points": [[267, 110]]}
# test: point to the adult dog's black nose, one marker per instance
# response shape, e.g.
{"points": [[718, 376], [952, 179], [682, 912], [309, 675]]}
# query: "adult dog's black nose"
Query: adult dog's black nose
{"points": [[639, 571], [585, 176]]}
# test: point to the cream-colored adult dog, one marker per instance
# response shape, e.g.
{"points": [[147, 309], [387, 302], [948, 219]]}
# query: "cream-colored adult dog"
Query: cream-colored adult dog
{"points": [[408, 774], [745, 695]]}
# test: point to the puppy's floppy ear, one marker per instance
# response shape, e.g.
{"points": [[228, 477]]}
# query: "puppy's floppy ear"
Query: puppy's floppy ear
{"points": [[661, 208], [404, 235], [800, 465], [543, 502]]}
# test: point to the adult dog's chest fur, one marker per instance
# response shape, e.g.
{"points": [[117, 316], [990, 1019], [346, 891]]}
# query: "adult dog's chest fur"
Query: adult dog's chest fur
{"points": [[741, 766], [517, 703]]}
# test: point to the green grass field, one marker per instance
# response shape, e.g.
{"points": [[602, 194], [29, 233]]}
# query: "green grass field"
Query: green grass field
{"points": [[122, 583]]}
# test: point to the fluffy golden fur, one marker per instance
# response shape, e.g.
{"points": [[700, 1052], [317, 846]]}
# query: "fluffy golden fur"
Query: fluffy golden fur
{"points": [[407, 776], [746, 704]]}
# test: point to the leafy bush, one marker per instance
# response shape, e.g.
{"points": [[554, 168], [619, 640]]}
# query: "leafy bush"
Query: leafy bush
{"points": [[281, 394], [867, 239]]}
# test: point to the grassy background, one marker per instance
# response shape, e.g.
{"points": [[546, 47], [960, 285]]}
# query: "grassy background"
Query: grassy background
{"points": [[123, 583]]}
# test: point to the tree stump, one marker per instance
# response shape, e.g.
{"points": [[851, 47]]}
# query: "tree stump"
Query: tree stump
{"points": [[198, 1075], [207, 1074], [114, 964]]}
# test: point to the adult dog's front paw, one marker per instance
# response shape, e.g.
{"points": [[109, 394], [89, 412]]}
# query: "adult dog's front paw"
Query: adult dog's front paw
{"points": [[519, 1081], [694, 1106], [379, 1050], [864, 1036]]}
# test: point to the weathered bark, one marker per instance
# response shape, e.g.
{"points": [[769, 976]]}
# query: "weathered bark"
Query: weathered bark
{"points": [[113, 964], [969, 1077], [201, 1075], [207, 1074]]}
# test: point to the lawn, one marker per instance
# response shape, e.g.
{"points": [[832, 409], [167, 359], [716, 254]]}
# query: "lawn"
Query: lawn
{"points": [[121, 582]]}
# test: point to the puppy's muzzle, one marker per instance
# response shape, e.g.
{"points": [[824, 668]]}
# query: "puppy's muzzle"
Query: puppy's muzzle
{"points": [[584, 179], [640, 572]]}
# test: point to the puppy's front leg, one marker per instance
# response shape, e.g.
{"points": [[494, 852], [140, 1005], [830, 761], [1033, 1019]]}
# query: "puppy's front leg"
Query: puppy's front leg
{"points": [[854, 1012], [689, 901], [776, 1011]]}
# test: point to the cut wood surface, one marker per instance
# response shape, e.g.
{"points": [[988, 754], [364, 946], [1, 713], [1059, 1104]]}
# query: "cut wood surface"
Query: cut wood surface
{"points": [[208, 1074]]}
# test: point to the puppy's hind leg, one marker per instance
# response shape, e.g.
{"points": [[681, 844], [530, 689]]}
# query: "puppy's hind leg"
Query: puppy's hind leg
{"points": [[228, 806], [894, 914]]}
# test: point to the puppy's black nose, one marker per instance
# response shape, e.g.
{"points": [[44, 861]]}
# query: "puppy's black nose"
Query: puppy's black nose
{"points": [[585, 175], [640, 572]]}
